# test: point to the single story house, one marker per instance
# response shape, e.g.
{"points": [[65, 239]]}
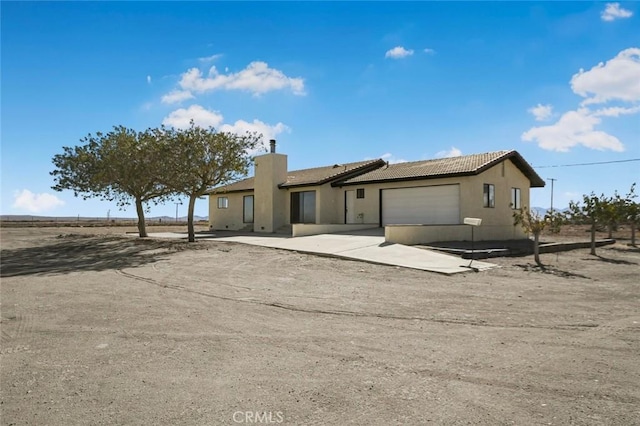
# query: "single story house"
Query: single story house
{"points": [[416, 202]]}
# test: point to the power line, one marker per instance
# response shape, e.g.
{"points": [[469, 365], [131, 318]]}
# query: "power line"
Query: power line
{"points": [[588, 164]]}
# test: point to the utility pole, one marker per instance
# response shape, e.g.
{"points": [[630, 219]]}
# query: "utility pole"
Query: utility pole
{"points": [[177, 204], [552, 181]]}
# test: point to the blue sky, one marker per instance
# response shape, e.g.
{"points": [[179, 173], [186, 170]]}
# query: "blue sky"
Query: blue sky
{"points": [[332, 82]]}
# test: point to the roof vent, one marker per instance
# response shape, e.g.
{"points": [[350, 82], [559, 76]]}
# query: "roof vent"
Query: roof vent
{"points": [[272, 146]]}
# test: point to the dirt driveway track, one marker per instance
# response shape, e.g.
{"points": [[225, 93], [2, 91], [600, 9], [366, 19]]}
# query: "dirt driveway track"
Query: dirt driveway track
{"points": [[101, 329]]}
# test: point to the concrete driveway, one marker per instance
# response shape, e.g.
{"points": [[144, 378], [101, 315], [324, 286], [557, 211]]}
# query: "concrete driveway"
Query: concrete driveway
{"points": [[362, 245]]}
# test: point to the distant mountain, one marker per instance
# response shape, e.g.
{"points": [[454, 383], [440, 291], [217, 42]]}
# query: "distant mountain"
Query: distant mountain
{"points": [[540, 211], [543, 211]]}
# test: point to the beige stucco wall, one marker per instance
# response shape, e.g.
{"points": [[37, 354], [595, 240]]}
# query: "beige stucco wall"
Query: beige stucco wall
{"points": [[330, 201], [230, 218], [269, 207], [303, 229], [327, 203], [424, 234], [471, 194], [504, 176]]}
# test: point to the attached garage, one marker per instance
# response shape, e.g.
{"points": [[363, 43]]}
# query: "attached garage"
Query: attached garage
{"points": [[423, 205]]}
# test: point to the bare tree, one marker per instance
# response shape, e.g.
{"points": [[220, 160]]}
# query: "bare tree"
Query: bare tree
{"points": [[534, 223], [592, 211]]}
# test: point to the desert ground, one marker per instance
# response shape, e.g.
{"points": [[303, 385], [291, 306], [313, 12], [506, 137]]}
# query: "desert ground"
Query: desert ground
{"points": [[99, 328]]}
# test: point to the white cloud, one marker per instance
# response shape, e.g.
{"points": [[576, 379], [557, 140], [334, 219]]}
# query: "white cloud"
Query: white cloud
{"points": [[572, 129], [613, 11], [616, 111], [617, 79], [429, 51], [267, 131], [398, 52], [181, 118], [35, 203], [148, 79], [453, 152], [541, 112], [256, 78], [211, 58], [391, 159], [176, 96]]}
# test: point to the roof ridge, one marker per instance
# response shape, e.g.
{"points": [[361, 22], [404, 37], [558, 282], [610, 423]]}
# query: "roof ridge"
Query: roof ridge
{"points": [[439, 167], [501, 152], [337, 164], [363, 164], [374, 171]]}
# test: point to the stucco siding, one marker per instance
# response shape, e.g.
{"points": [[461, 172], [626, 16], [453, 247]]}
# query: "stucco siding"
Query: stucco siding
{"points": [[471, 194], [330, 201], [231, 217], [415, 234], [271, 171], [326, 202]]}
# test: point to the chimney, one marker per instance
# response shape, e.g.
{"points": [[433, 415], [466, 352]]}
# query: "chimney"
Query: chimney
{"points": [[270, 200]]}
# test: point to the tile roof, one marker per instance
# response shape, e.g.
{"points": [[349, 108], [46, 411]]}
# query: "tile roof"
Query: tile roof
{"points": [[371, 171], [320, 175], [445, 167], [242, 185], [314, 176]]}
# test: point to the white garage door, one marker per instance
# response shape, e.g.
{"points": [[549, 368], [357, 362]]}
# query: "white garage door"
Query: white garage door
{"points": [[424, 205]]}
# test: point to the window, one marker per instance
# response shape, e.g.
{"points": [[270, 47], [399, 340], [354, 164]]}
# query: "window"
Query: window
{"points": [[360, 193], [247, 209], [223, 202], [303, 207], [489, 195], [515, 198]]}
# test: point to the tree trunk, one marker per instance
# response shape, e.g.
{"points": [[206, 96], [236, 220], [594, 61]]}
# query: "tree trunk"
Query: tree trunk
{"points": [[142, 229], [192, 205], [593, 239], [536, 248], [610, 229], [633, 234]]}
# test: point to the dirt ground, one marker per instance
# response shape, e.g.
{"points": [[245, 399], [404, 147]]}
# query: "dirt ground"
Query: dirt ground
{"points": [[106, 329]]}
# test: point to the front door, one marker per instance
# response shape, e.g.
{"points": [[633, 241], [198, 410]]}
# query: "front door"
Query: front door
{"points": [[247, 209], [349, 207]]}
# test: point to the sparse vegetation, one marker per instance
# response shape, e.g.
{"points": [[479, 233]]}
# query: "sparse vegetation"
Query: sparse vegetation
{"points": [[534, 223], [196, 159], [127, 166], [592, 211], [631, 212], [118, 166], [602, 211]]}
